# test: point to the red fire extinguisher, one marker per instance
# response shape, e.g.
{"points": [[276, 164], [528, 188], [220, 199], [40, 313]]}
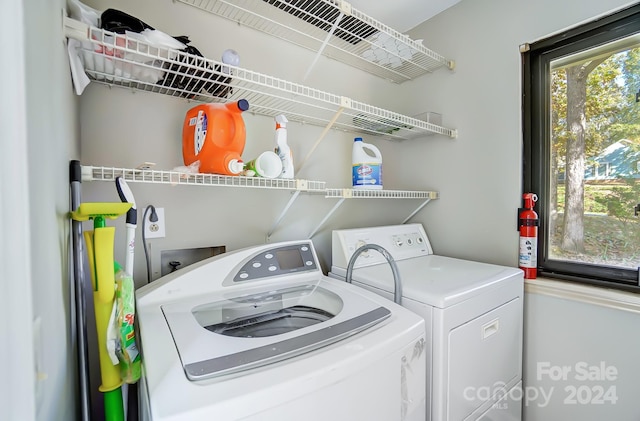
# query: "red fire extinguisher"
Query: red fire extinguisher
{"points": [[528, 225]]}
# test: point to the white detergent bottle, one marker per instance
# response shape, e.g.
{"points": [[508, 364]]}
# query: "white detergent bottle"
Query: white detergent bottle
{"points": [[367, 165], [282, 148]]}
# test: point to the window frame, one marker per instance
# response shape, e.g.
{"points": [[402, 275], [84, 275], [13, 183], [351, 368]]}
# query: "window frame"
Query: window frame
{"points": [[536, 60]]}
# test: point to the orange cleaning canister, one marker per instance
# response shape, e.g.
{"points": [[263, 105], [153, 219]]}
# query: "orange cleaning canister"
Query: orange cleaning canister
{"points": [[214, 134]]}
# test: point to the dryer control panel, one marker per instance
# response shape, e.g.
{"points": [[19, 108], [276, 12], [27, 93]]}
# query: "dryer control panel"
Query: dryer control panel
{"points": [[277, 261], [401, 241]]}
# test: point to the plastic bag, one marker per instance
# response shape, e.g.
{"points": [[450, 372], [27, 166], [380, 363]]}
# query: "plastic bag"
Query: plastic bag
{"points": [[126, 348]]}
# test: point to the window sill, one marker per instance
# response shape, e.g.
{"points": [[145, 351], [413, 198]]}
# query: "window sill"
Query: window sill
{"points": [[601, 296]]}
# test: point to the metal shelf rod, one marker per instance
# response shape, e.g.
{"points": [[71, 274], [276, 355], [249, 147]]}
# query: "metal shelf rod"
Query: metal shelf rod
{"points": [[322, 135], [327, 216], [418, 209], [283, 213]]}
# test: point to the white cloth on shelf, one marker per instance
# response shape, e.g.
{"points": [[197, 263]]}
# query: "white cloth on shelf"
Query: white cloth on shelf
{"points": [[112, 63]]}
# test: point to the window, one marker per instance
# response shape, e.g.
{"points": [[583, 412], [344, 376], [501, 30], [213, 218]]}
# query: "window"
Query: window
{"points": [[597, 171], [581, 119]]}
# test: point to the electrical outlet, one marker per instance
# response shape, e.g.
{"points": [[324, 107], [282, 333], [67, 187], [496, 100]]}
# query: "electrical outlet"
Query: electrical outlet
{"points": [[155, 229]]}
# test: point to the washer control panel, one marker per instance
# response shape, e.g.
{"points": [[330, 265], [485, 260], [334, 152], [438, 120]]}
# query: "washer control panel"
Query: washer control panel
{"points": [[406, 240], [401, 241], [278, 261]]}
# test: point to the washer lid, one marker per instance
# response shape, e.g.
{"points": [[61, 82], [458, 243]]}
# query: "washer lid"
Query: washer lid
{"points": [[225, 334], [436, 280]]}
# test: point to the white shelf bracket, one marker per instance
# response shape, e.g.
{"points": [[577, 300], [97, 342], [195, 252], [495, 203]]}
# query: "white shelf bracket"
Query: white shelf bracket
{"points": [[283, 213], [324, 132], [86, 172], [345, 7], [75, 29], [419, 208], [327, 216]]}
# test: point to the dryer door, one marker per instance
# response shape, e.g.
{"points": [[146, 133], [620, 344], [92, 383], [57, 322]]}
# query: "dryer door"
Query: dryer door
{"points": [[484, 359]]}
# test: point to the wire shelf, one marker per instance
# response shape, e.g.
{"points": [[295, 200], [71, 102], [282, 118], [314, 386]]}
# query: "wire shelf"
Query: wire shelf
{"points": [[379, 194], [91, 173], [354, 38], [95, 173], [119, 60]]}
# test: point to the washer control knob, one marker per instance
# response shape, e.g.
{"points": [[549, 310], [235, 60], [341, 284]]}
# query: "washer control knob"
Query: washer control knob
{"points": [[364, 254]]}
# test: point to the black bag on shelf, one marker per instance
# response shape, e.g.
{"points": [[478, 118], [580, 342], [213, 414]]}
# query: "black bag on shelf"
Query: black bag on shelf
{"points": [[189, 78], [117, 21]]}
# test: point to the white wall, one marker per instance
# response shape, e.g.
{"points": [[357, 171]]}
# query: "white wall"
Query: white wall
{"points": [[52, 142], [43, 112], [479, 176], [580, 361], [480, 173], [17, 396]]}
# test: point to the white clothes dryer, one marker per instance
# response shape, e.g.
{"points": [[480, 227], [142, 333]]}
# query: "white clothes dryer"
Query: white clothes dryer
{"points": [[473, 319], [262, 334]]}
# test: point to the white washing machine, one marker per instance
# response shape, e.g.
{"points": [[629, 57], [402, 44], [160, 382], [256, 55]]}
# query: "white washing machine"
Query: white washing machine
{"points": [[473, 315], [262, 334]]}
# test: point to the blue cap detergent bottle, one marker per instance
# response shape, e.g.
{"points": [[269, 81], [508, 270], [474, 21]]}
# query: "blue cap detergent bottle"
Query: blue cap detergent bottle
{"points": [[367, 165]]}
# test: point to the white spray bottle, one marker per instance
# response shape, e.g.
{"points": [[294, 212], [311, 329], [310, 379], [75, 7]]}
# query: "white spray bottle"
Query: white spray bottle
{"points": [[282, 148]]}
